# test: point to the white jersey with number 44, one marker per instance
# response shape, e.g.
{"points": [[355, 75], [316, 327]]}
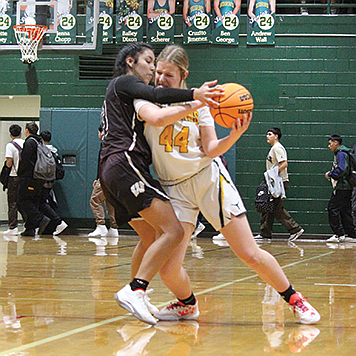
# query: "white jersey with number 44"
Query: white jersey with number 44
{"points": [[176, 149]]}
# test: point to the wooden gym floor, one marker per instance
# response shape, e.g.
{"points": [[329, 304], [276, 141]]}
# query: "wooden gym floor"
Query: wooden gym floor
{"points": [[56, 298]]}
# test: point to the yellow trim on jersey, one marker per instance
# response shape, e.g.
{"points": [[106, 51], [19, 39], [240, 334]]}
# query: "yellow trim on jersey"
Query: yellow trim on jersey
{"points": [[193, 117]]}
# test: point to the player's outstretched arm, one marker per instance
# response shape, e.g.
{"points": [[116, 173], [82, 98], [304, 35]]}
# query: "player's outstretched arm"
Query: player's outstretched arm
{"points": [[157, 116]]}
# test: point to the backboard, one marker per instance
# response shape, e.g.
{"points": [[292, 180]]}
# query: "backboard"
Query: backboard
{"points": [[32, 12], [72, 24]]}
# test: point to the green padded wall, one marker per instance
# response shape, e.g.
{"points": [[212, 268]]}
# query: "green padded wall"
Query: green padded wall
{"points": [[74, 133]]}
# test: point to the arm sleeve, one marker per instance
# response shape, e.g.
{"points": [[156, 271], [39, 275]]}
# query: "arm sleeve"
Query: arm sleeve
{"points": [[132, 87], [205, 118], [280, 154], [341, 168], [8, 151]]}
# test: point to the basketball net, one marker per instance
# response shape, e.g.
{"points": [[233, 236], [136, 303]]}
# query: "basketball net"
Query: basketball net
{"points": [[28, 37]]}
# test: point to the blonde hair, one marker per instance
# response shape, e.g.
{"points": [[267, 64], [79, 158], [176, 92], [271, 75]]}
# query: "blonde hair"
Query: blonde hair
{"points": [[177, 55]]}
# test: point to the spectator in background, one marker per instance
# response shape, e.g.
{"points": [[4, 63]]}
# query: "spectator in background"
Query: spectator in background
{"points": [[303, 9], [97, 200], [333, 10], [277, 156], [49, 201], [339, 206], [199, 227], [13, 154], [30, 189], [319, 10]]}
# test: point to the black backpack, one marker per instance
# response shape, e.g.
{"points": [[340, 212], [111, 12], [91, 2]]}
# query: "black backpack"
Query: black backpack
{"points": [[59, 167], [351, 177], [264, 201], [4, 176]]}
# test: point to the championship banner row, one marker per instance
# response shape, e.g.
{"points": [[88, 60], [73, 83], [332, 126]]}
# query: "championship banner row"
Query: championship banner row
{"points": [[204, 21]]}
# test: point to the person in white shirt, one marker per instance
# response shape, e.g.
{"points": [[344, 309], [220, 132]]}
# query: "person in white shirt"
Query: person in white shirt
{"points": [[277, 156], [13, 154]]}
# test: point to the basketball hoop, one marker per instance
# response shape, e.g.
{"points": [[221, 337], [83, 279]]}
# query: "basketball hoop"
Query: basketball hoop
{"points": [[28, 37]]}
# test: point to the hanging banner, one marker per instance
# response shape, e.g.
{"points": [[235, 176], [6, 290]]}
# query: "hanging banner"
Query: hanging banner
{"points": [[7, 21], [66, 23], [129, 21], [89, 22], [106, 16], [260, 22], [226, 22], [160, 21], [196, 21]]}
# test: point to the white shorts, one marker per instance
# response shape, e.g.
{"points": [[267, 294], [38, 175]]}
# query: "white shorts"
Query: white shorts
{"points": [[212, 192]]}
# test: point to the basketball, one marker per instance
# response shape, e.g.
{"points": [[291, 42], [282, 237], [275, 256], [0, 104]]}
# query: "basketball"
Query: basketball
{"points": [[235, 102]]}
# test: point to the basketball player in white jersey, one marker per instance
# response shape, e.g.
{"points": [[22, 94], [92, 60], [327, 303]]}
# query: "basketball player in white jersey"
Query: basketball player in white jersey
{"points": [[186, 160]]}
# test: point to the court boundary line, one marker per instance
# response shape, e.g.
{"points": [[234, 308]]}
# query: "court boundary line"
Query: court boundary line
{"points": [[117, 318], [335, 284], [256, 275]]}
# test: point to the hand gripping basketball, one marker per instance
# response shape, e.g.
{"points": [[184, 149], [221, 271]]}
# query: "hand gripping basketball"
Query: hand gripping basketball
{"points": [[235, 102]]}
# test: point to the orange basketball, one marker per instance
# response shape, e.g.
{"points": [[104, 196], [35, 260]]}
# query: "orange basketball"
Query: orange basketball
{"points": [[235, 102]]}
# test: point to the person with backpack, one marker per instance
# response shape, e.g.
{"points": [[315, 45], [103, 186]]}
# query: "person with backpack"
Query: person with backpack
{"points": [[339, 207], [13, 154], [49, 201], [277, 157], [30, 188]]}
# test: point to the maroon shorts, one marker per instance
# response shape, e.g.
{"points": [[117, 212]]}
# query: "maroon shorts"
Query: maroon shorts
{"points": [[128, 185]]}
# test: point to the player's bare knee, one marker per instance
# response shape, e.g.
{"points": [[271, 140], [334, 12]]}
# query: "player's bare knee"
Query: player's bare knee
{"points": [[175, 236]]}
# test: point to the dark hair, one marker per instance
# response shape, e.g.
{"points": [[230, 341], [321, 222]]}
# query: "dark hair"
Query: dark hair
{"points": [[336, 137], [276, 131], [46, 135], [100, 128], [15, 130], [32, 128], [132, 50]]}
